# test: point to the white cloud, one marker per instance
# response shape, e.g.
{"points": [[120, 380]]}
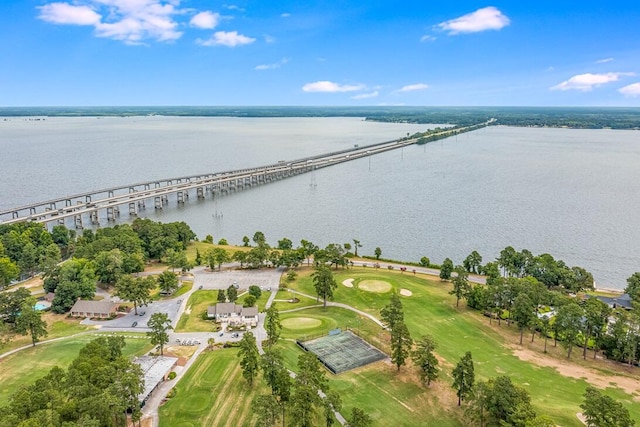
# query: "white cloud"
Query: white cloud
{"points": [[285, 15], [272, 66], [65, 13], [427, 38], [234, 7], [411, 88], [487, 18], [331, 87], [630, 90], [131, 21], [205, 20], [603, 61], [586, 82], [226, 38], [269, 39], [366, 95]]}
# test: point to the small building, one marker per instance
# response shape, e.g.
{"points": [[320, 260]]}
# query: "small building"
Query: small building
{"points": [[621, 301], [49, 296], [228, 312], [94, 309], [155, 369]]}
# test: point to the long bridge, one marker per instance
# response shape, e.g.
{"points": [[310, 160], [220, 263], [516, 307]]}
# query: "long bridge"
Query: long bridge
{"points": [[135, 197]]}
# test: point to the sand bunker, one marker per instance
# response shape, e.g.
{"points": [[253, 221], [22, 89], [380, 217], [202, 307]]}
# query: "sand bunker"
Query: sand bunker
{"points": [[301, 323], [348, 283], [405, 292], [378, 286]]}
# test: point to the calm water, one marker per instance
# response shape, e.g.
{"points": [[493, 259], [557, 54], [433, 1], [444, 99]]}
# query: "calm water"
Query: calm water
{"points": [[572, 193]]}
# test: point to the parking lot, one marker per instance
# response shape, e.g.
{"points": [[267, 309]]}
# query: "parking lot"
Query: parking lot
{"points": [[265, 278]]}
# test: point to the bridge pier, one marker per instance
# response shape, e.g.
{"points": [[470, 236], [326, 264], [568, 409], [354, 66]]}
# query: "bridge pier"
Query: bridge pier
{"points": [[141, 204], [181, 197], [132, 209], [157, 202], [111, 215], [77, 221], [200, 193], [93, 217]]}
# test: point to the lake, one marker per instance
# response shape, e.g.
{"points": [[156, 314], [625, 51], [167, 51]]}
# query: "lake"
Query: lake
{"points": [[571, 193]]}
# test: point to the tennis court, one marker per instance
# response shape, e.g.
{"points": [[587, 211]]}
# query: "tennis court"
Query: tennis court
{"points": [[343, 351]]}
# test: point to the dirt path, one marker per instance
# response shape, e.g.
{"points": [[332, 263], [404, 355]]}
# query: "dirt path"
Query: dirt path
{"points": [[570, 369]]}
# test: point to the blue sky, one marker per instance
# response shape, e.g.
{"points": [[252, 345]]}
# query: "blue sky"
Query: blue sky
{"points": [[416, 52]]}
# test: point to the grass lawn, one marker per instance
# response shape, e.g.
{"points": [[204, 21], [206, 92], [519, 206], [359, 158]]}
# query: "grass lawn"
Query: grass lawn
{"points": [[26, 366], [58, 325], [431, 310], [260, 302], [191, 320], [283, 297], [212, 393]]}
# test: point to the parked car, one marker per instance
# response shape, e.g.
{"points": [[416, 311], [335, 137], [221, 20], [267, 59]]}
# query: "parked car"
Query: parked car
{"points": [[235, 335], [142, 313], [221, 334], [134, 324]]}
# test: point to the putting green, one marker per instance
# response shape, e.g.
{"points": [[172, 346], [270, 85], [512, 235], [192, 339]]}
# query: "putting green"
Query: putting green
{"points": [[378, 286], [301, 323]]}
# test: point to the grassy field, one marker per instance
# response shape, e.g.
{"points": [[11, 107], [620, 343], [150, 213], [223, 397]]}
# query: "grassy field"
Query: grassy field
{"points": [[58, 325], [432, 310], [260, 302], [26, 366], [191, 320], [212, 393]]}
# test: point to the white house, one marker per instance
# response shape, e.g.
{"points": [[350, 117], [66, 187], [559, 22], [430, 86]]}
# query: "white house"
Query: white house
{"points": [[228, 312]]}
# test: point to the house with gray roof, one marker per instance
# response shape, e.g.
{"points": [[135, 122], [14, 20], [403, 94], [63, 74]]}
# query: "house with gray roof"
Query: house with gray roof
{"points": [[94, 309], [228, 312], [621, 301], [156, 369]]}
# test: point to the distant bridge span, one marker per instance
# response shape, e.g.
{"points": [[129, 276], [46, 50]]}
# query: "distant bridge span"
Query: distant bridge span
{"points": [[135, 197]]}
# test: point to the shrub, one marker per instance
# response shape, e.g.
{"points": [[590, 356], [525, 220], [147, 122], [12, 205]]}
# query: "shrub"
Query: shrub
{"points": [[291, 275], [223, 242], [172, 375], [255, 291]]}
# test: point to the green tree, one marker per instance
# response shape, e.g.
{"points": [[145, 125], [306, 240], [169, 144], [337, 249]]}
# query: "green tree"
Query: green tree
{"points": [[331, 403], [424, 358], [223, 242], [198, 259], [108, 266], [30, 321], [392, 313], [167, 282], [596, 316], [324, 283], [159, 324], [502, 403], [307, 249], [8, 271], [272, 326], [255, 291], [249, 357], [464, 377], [461, 287], [359, 418], [400, 344], [425, 262], [601, 410], [177, 259], [633, 286], [232, 293], [446, 269], [524, 313], [221, 296], [356, 245], [305, 399], [569, 325], [472, 262], [249, 301], [267, 409], [377, 252], [285, 244], [271, 363], [136, 290], [245, 241]]}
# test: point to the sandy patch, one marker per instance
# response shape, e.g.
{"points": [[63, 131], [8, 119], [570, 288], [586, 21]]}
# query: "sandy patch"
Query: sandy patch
{"points": [[405, 292], [301, 323], [348, 283], [627, 384], [378, 286]]}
